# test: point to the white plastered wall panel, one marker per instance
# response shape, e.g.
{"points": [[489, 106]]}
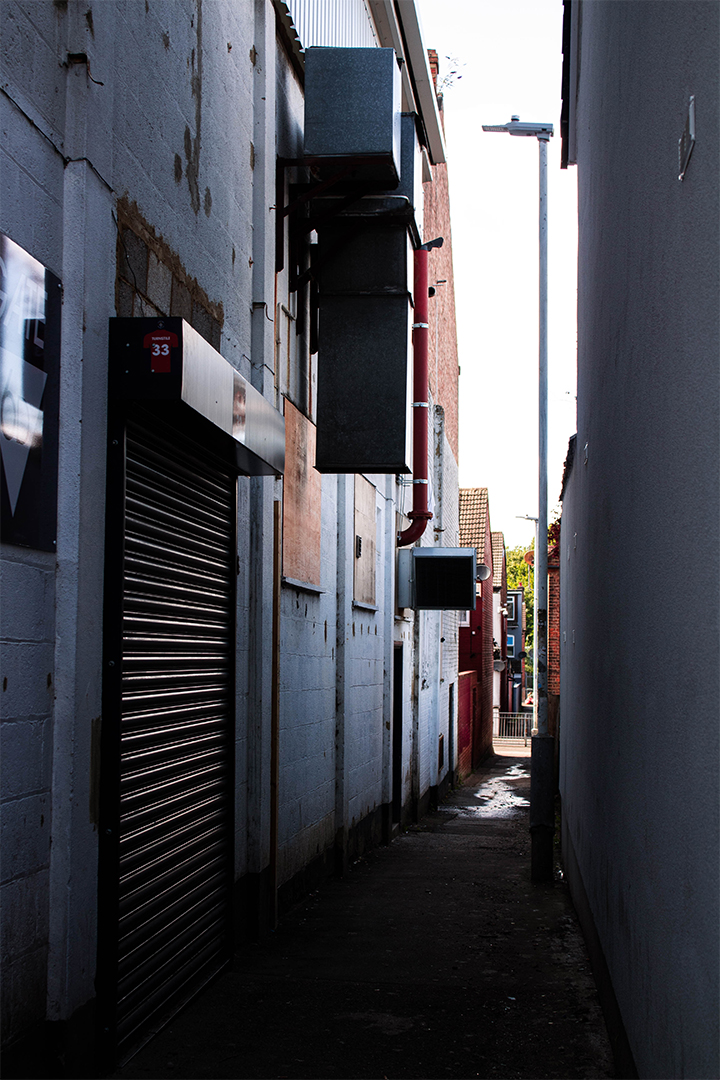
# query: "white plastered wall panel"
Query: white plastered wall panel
{"points": [[308, 707], [365, 705], [639, 784]]}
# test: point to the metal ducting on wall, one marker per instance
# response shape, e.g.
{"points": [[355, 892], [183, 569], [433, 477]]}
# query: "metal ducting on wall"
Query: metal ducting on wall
{"points": [[352, 114], [363, 264], [437, 579], [364, 359]]}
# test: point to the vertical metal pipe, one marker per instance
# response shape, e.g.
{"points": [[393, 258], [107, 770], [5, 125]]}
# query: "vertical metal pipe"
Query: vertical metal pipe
{"points": [[542, 524], [419, 515], [542, 786], [275, 712]]}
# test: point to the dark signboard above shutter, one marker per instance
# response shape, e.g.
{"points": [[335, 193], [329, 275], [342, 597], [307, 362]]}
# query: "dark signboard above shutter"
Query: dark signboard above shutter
{"points": [[173, 370]]}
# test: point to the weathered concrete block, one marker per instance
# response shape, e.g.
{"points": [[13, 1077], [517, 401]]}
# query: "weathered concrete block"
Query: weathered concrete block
{"points": [[24, 993], [25, 909], [28, 602], [25, 757], [25, 832], [159, 284], [27, 679]]}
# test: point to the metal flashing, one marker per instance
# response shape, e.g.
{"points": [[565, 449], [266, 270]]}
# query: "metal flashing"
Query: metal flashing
{"points": [[166, 362]]}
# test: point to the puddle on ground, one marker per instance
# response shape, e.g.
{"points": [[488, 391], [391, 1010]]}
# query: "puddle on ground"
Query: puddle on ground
{"points": [[496, 798], [518, 772]]}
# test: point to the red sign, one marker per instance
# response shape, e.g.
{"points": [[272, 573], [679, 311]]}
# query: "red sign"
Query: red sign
{"points": [[160, 343]]}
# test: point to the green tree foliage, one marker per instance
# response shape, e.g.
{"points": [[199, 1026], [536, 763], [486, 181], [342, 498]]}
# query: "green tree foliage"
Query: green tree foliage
{"points": [[520, 575]]}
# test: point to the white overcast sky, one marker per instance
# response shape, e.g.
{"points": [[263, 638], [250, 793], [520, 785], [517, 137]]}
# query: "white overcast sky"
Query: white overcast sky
{"points": [[509, 53]]}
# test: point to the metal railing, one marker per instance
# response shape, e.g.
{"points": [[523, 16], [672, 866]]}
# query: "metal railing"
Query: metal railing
{"points": [[513, 725]]}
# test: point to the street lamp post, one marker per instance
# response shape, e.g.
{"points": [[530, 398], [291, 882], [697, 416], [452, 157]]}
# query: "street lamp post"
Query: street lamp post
{"points": [[542, 782], [528, 517]]}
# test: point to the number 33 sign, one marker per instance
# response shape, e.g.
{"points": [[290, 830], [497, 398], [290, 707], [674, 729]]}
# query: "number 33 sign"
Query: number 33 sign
{"points": [[160, 343]]}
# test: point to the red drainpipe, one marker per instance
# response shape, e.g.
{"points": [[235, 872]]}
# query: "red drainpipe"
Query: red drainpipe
{"points": [[419, 515]]}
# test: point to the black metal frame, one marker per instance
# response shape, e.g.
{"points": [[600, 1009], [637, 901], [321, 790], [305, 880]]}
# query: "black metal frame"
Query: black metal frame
{"points": [[301, 196]]}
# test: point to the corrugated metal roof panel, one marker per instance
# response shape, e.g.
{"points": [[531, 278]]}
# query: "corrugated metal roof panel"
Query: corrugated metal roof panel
{"points": [[339, 23]]}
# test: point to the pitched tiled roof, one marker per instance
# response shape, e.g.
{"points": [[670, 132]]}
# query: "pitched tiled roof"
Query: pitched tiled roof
{"points": [[498, 550], [473, 519]]}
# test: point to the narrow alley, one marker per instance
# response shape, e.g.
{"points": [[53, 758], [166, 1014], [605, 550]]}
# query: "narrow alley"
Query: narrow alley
{"points": [[434, 957]]}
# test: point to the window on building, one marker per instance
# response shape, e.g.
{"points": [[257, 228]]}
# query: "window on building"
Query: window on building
{"points": [[365, 540], [510, 605], [511, 644]]}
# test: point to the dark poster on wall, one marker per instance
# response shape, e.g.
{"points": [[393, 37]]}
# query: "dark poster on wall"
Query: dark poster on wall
{"points": [[30, 306]]}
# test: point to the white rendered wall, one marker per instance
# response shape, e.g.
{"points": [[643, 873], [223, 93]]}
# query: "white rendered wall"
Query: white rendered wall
{"points": [[639, 756]]}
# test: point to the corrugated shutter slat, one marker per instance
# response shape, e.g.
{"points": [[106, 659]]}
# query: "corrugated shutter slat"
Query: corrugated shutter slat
{"points": [[176, 730]]}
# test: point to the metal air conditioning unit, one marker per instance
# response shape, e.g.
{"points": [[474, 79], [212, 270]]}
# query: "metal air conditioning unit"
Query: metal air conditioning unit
{"points": [[436, 579]]}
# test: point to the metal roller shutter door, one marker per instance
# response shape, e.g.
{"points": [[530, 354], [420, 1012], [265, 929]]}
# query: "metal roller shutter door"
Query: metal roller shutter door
{"points": [[177, 691]]}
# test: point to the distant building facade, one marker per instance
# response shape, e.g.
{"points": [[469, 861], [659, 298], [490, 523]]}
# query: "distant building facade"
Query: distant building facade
{"points": [[476, 638]]}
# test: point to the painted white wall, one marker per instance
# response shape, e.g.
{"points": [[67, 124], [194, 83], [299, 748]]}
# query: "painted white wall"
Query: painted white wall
{"points": [[639, 693]]}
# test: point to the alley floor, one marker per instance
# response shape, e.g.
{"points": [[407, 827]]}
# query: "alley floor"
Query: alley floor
{"points": [[434, 957]]}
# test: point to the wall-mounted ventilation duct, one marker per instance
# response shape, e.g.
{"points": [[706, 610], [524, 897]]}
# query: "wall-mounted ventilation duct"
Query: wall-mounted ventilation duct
{"points": [[436, 579], [363, 265], [352, 113]]}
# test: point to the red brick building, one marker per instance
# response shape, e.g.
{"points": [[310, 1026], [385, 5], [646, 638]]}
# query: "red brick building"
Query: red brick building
{"points": [[476, 638], [442, 338]]}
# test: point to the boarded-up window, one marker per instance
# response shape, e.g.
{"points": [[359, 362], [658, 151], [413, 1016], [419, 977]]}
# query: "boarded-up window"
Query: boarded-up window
{"points": [[301, 500], [365, 541]]}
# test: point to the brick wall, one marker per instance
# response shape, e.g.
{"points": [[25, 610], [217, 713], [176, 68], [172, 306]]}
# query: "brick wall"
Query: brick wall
{"points": [[553, 643], [442, 344], [467, 708], [482, 740]]}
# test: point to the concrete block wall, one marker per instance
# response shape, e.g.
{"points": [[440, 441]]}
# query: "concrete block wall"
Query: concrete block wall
{"points": [[154, 110], [370, 655], [404, 633], [26, 756], [308, 708]]}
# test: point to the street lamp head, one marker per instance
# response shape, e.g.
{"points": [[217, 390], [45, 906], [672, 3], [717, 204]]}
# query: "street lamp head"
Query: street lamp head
{"points": [[515, 127]]}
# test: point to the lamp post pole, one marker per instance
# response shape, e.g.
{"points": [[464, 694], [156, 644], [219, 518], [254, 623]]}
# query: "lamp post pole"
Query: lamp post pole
{"points": [[542, 772], [528, 517]]}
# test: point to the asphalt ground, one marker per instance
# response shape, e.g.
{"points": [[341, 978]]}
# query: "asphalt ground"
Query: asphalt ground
{"points": [[436, 956]]}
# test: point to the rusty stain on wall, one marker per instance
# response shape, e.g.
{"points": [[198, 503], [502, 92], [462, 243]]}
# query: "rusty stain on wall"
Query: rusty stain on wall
{"points": [[192, 146]]}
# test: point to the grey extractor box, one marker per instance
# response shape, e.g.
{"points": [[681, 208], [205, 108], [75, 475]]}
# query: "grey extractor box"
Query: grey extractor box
{"points": [[364, 364], [352, 111], [365, 349], [436, 579]]}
